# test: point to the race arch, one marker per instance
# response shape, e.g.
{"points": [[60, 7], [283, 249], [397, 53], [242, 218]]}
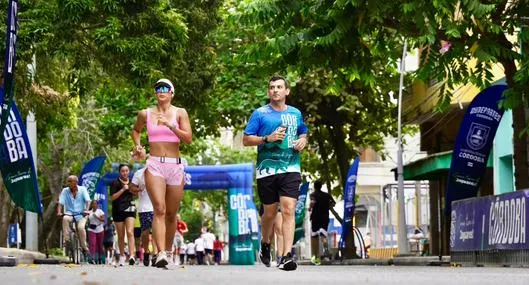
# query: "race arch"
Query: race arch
{"points": [[242, 214]]}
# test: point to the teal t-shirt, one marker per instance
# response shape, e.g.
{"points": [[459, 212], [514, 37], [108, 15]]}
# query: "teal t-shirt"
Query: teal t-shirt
{"points": [[276, 157]]}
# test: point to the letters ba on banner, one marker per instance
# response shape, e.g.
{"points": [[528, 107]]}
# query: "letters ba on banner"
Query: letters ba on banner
{"points": [[16, 164], [492, 222]]}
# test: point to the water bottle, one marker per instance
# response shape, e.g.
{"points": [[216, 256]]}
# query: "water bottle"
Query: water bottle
{"points": [[283, 126]]}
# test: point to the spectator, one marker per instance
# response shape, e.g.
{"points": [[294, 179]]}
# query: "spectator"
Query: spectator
{"points": [[218, 246], [108, 240], [199, 248], [209, 240], [191, 253], [367, 244], [96, 232], [182, 252], [320, 204], [181, 229], [145, 212], [124, 213], [74, 202]]}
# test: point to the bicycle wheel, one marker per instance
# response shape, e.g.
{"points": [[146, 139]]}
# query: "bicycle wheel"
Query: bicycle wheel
{"points": [[77, 251], [71, 247]]}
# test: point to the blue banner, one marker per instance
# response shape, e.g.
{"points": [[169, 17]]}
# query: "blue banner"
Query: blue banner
{"points": [[91, 173], [16, 164], [9, 63], [242, 212], [473, 144], [101, 196], [490, 223], [349, 202]]}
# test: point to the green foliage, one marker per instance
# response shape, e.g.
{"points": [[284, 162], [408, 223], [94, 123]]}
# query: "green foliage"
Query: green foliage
{"points": [[194, 219], [56, 251], [341, 65]]}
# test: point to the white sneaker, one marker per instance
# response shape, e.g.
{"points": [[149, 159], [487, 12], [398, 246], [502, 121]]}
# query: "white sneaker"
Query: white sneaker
{"points": [[170, 262], [161, 260], [121, 260]]}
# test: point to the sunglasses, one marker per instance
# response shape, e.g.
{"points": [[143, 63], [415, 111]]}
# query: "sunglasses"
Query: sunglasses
{"points": [[162, 89]]}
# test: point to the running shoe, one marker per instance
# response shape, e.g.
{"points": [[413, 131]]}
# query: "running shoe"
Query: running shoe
{"points": [[121, 260], [146, 259], [314, 260], [264, 254], [153, 260], [288, 263], [132, 261], [171, 265], [161, 260]]}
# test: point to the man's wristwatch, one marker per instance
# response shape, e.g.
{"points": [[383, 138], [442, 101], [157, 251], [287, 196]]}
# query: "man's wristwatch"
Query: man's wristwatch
{"points": [[265, 139]]}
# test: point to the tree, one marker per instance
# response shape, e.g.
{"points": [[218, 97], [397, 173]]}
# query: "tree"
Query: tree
{"points": [[341, 70], [342, 67], [476, 35], [110, 53]]}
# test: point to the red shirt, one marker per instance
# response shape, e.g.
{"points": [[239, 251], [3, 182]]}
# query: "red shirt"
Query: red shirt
{"points": [[181, 227], [217, 245]]}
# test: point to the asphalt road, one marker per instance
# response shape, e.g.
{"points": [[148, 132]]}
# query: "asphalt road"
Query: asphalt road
{"points": [[258, 274]]}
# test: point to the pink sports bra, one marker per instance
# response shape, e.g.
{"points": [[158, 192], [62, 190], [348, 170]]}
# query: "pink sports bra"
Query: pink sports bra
{"points": [[160, 133]]}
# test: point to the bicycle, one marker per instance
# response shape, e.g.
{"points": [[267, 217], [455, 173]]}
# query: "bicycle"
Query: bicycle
{"points": [[73, 247]]}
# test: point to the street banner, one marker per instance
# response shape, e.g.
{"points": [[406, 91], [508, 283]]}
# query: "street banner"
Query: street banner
{"points": [[300, 212], [473, 145], [101, 196], [490, 223], [242, 213], [16, 164], [91, 173], [349, 202], [6, 98]]}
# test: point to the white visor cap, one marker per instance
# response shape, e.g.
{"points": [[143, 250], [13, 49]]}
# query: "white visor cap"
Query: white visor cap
{"points": [[164, 82]]}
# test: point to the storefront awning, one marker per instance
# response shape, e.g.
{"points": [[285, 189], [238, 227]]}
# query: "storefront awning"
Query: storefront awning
{"points": [[432, 167]]}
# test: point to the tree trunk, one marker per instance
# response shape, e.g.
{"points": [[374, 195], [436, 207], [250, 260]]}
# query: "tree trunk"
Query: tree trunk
{"points": [[55, 171], [343, 157], [342, 154], [50, 227], [6, 207], [325, 169], [325, 159], [521, 172]]}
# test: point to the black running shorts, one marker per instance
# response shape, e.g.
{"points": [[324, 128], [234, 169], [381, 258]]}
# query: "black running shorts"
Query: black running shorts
{"points": [[270, 188]]}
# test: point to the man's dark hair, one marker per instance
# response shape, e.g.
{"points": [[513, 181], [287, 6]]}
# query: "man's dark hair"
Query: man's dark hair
{"points": [[317, 185], [279, 77]]}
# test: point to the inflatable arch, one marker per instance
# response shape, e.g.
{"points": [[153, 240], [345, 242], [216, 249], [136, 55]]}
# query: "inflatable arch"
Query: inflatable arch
{"points": [[242, 214]]}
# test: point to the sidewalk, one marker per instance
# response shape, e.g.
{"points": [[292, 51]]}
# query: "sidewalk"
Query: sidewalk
{"points": [[22, 256]]}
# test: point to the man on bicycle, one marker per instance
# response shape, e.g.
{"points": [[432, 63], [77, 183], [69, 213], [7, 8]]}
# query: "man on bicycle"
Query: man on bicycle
{"points": [[74, 202]]}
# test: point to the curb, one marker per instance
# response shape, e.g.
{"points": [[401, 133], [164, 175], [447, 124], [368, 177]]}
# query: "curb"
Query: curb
{"points": [[21, 256], [421, 260], [372, 262], [7, 261], [396, 261]]}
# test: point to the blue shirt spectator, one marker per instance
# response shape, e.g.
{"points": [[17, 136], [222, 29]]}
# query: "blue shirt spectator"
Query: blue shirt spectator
{"points": [[74, 205]]}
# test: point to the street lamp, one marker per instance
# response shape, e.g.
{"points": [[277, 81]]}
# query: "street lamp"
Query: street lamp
{"points": [[401, 230]]}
